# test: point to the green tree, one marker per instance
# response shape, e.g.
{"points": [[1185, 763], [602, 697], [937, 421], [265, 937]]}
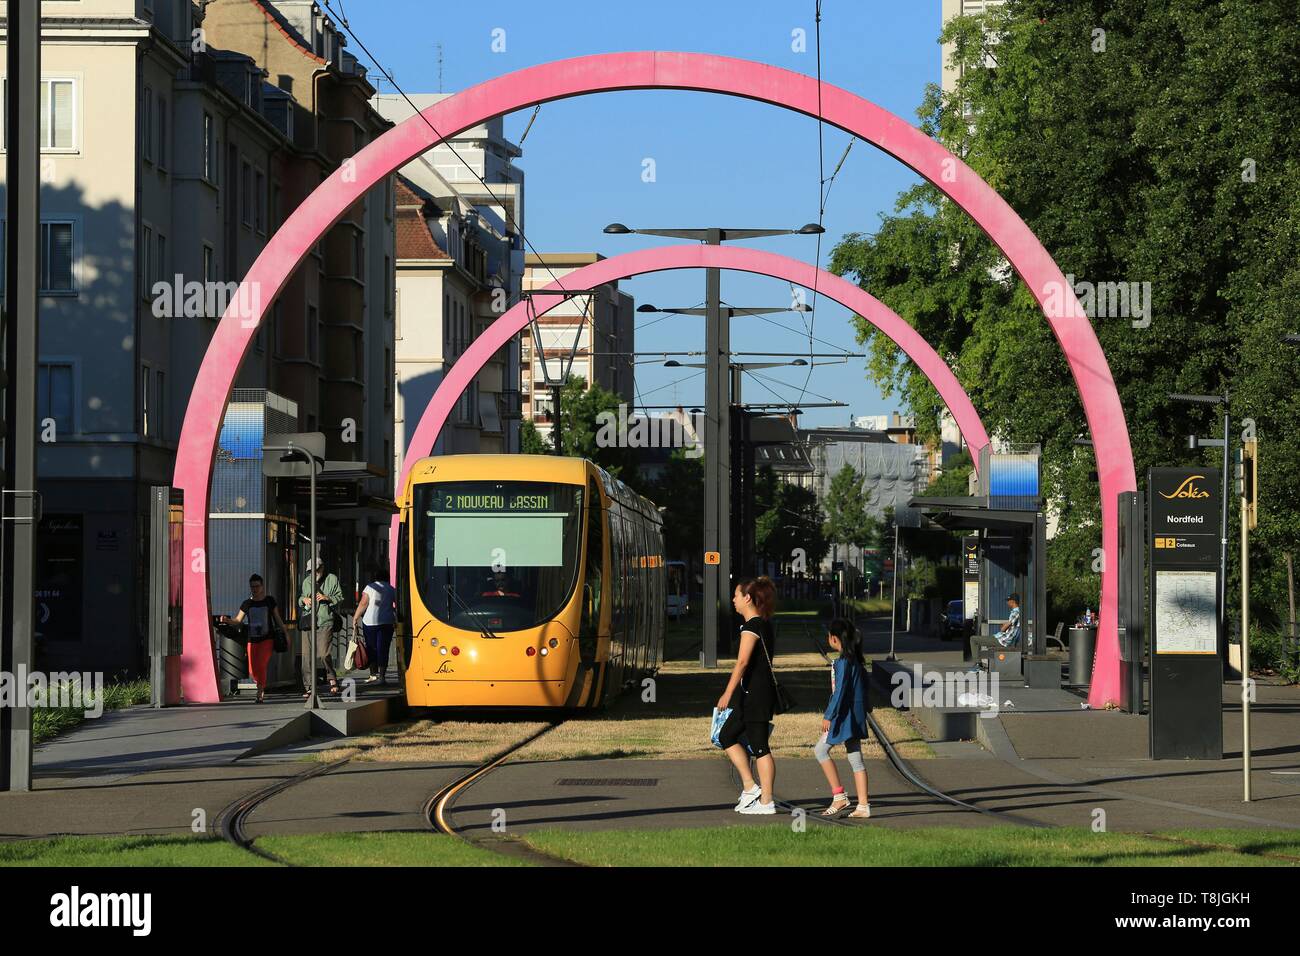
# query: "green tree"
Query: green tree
{"points": [[583, 413], [680, 490], [792, 521], [954, 481], [1142, 142], [847, 520], [531, 441]]}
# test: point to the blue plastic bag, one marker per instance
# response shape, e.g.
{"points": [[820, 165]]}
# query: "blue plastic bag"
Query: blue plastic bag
{"points": [[719, 718]]}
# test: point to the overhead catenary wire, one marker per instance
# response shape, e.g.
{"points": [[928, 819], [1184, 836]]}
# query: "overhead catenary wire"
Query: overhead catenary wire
{"points": [[821, 190], [740, 311], [513, 223]]}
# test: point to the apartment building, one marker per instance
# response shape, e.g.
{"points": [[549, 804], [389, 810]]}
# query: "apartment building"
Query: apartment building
{"points": [[950, 9], [330, 348], [590, 336], [459, 266], [168, 161]]}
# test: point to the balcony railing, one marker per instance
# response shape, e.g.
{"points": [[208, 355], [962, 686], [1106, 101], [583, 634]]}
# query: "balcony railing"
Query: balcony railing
{"points": [[510, 404]]}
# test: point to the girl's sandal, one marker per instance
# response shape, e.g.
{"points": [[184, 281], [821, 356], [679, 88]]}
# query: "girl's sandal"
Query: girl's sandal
{"points": [[860, 812], [838, 805]]}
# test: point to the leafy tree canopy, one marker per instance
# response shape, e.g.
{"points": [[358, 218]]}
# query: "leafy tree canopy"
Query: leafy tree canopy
{"points": [[1143, 141]]}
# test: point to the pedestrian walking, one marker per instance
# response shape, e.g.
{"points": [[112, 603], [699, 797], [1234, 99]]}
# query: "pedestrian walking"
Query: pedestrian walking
{"points": [[325, 586], [376, 614], [845, 719], [263, 616], [751, 696]]}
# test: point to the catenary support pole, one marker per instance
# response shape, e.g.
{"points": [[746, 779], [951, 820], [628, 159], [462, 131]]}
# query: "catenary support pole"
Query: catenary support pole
{"points": [[714, 451], [19, 503]]}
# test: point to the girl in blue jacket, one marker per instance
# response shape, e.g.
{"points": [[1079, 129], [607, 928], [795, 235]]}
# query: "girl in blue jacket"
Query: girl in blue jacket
{"points": [[845, 720]]}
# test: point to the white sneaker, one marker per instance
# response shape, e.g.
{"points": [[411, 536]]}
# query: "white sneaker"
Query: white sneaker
{"points": [[748, 797], [372, 679], [760, 808]]}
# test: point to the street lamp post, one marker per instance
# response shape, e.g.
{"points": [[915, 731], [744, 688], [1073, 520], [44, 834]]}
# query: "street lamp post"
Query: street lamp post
{"points": [[717, 439]]}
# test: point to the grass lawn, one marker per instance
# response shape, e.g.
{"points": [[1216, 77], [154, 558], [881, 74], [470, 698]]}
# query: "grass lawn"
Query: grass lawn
{"points": [[430, 741], [870, 605], [675, 725], [126, 851], [49, 722], [380, 849], [863, 845], [932, 846]]}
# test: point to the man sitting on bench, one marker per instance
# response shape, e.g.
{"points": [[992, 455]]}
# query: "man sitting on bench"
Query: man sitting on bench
{"points": [[1007, 636]]}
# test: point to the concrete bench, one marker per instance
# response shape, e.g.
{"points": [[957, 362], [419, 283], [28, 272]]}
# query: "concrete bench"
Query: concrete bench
{"points": [[1042, 670], [1003, 660]]}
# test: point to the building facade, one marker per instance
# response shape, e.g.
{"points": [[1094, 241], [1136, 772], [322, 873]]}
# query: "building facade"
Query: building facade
{"points": [[950, 9], [168, 160], [590, 336], [460, 266], [330, 347]]}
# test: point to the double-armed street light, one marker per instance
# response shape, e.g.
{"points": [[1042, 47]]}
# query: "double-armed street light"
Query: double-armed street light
{"points": [[717, 429]]}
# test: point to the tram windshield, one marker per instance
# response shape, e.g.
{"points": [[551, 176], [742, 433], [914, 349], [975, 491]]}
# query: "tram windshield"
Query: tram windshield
{"points": [[496, 556]]}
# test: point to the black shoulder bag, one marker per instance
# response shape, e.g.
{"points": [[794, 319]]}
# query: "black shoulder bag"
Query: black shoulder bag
{"points": [[782, 701]]}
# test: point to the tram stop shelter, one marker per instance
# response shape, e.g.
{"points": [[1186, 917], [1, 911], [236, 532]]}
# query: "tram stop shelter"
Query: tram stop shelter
{"points": [[1004, 548]]}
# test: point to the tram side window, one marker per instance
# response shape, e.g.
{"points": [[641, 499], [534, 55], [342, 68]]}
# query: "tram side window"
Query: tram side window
{"points": [[643, 588], [616, 574], [591, 603], [629, 568]]}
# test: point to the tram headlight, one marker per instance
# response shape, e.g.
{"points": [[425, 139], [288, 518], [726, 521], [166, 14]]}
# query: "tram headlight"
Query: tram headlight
{"points": [[442, 651], [554, 643], [545, 651]]}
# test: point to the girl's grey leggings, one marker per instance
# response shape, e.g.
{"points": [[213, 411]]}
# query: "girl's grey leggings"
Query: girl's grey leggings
{"points": [[823, 751]]}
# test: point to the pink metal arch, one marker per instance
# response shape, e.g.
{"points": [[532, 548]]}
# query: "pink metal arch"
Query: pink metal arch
{"points": [[663, 259], [626, 71]]}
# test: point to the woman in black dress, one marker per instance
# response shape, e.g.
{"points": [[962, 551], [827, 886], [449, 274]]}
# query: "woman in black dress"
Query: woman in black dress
{"points": [[751, 694]]}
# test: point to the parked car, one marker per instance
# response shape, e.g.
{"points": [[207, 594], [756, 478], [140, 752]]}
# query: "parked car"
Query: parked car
{"points": [[954, 622]]}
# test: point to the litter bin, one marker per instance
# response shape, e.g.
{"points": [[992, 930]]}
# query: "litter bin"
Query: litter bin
{"points": [[1083, 644], [232, 663]]}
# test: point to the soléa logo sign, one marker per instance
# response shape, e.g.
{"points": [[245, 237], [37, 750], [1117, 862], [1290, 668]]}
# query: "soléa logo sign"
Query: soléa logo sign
{"points": [[1184, 508]]}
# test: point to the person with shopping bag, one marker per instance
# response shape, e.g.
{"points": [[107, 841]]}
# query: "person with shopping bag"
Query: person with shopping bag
{"points": [[375, 616], [324, 586]]}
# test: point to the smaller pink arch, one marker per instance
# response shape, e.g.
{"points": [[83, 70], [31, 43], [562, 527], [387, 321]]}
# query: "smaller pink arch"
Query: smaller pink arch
{"points": [[663, 259]]}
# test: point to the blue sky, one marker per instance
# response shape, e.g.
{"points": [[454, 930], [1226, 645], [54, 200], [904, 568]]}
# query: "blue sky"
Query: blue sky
{"points": [[718, 160]]}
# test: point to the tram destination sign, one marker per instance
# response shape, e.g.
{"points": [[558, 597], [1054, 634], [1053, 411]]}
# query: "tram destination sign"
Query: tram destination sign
{"points": [[515, 500], [1185, 506]]}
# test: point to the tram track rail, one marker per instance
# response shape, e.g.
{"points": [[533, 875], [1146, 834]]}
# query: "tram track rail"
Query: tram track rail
{"points": [[914, 779], [438, 805], [230, 823]]}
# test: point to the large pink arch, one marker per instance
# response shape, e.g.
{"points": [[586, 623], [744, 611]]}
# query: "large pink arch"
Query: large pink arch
{"points": [[627, 71], [663, 259]]}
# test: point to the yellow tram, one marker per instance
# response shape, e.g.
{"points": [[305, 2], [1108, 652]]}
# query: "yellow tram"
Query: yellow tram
{"points": [[526, 581]]}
